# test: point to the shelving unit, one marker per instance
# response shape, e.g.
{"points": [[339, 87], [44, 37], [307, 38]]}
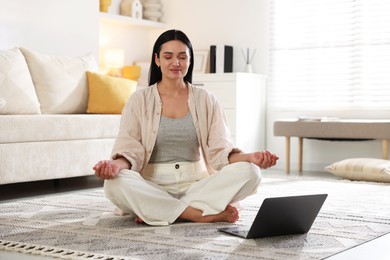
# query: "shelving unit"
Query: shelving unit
{"points": [[129, 21]]}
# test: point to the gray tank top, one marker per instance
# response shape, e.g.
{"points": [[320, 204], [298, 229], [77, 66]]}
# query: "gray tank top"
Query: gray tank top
{"points": [[176, 141]]}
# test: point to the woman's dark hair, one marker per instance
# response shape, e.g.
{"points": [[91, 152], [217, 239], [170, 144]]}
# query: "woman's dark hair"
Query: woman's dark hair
{"points": [[154, 71]]}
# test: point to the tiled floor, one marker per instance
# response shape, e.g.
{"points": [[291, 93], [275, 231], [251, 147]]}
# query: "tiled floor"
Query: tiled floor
{"points": [[376, 249]]}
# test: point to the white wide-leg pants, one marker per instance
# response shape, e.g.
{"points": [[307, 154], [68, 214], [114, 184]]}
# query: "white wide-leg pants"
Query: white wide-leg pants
{"points": [[164, 191]]}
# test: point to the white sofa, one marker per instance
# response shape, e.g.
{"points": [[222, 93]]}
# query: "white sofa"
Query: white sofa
{"points": [[45, 130]]}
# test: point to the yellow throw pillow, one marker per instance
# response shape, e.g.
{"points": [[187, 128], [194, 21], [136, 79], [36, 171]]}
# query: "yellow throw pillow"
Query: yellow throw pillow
{"points": [[107, 94]]}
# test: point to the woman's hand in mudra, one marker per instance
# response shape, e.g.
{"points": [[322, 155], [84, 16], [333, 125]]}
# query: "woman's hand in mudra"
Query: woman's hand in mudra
{"points": [[264, 159], [107, 169]]}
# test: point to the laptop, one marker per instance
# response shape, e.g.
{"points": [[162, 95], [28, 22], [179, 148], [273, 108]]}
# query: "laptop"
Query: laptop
{"points": [[281, 216]]}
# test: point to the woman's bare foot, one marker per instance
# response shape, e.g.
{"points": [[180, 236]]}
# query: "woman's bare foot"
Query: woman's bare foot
{"points": [[230, 214], [138, 220]]}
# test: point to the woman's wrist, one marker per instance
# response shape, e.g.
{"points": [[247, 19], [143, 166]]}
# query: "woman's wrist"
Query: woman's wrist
{"points": [[123, 163], [239, 157]]}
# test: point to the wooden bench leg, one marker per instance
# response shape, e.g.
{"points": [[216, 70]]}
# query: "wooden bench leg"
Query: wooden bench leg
{"points": [[300, 154], [385, 143], [287, 155]]}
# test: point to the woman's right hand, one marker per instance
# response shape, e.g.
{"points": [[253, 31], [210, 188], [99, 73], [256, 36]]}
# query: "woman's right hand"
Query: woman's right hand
{"points": [[107, 169]]}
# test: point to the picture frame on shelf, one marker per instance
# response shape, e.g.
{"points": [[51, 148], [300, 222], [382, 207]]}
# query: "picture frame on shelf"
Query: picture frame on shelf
{"points": [[200, 61]]}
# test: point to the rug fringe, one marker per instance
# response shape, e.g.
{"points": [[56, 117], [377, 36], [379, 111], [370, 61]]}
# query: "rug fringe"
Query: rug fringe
{"points": [[26, 248]]}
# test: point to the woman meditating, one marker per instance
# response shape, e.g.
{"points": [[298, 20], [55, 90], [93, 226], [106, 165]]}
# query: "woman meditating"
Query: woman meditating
{"points": [[174, 158]]}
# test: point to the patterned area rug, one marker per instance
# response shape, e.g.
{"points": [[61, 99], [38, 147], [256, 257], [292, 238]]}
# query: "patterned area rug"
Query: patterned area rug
{"points": [[81, 225]]}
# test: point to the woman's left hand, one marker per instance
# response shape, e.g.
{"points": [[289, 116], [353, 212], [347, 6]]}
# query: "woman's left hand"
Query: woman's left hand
{"points": [[264, 159]]}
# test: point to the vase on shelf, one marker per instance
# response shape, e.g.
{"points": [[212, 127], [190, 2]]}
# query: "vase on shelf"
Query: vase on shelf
{"points": [[104, 5], [131, 8], [248, 60], [152, 10], [248, 68]]}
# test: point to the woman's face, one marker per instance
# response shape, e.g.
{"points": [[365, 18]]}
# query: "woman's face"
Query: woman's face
{"points": [[174, 59]]}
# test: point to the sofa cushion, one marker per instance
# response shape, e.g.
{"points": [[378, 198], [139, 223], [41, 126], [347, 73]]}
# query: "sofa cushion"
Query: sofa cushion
{"points": [[107, 94], [33, 161], [16, 86], [362, 169], [60, 82], [38, 128], [2, 102]]}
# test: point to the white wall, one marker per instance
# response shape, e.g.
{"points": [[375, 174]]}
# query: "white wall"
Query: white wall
{"points": [[240, 23], [61, 27]]}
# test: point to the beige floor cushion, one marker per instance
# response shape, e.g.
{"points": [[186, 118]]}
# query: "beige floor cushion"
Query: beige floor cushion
{"points": [[362, 169]]}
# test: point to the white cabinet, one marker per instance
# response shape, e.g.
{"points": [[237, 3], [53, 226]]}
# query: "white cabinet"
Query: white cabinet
{"points": [[242, 96]]}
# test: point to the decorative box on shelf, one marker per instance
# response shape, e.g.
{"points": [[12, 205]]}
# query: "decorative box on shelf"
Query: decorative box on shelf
{"points": [[242, 96]]}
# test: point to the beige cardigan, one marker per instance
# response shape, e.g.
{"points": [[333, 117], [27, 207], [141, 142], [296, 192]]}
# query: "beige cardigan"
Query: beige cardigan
{"points": [[140, 122]]}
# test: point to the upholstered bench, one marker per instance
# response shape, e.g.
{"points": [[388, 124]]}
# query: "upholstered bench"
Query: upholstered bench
{"points": [[345, 129]]}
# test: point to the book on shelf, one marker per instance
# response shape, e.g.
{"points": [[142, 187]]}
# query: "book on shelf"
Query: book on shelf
{"points": [[221, 59]]}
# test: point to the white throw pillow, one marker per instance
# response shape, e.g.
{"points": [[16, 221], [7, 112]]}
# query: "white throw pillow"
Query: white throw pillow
{"points": [[16, 87], [60, 82], [362, 169]]}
